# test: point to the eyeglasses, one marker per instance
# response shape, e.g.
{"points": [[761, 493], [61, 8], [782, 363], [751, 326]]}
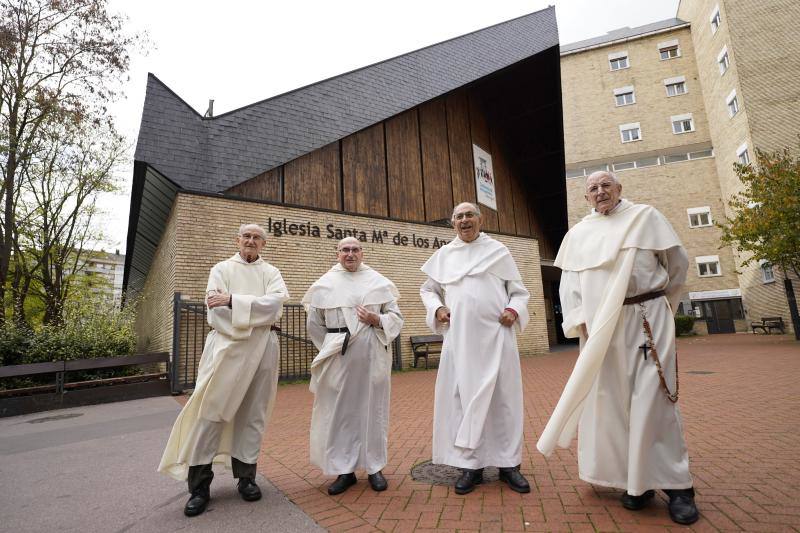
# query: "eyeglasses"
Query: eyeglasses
{"points": [[605, 185], [349, 250], [466, 214], [253, 236]]}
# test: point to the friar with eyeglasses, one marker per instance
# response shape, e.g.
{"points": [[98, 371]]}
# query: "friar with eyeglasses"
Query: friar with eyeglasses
{"points": [[225, 417], [352, 319], [624, 269], [475, 298]]}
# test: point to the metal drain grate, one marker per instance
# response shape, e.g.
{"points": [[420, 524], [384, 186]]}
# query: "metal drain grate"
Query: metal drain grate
{"points": [[427, 472]]}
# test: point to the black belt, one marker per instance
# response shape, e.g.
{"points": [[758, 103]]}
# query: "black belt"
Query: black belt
{"points": [[346, 336], [643, 297]]}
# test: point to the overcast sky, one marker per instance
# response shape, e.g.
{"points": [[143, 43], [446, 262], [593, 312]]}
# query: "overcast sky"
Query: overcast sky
{"points": [[239, 52]]}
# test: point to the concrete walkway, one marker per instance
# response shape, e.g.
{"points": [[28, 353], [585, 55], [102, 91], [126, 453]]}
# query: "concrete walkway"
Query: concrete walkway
{"points": [[93, 469]]}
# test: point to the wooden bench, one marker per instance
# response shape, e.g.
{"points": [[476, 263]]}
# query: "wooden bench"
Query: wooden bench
{"points": [[425, 345], [768, 323]]}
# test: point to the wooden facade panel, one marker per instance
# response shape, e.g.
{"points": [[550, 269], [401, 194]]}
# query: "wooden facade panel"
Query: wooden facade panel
{"points": [[461, 162], [314, 179], [521, 213], [364, 172], [265, 186], [404, 167], [435, 160], [503, 179], [480, 136]]}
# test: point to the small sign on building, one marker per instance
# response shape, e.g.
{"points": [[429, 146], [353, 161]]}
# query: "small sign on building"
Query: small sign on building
{"points": [[484, 177]]}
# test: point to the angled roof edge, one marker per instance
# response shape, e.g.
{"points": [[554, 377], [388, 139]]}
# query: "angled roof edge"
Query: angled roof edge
{"points": [[621, 35], [213, 154]]}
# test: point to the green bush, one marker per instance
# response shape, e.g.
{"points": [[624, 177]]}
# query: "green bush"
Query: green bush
{"points": [[92, 328], [684, 324]]}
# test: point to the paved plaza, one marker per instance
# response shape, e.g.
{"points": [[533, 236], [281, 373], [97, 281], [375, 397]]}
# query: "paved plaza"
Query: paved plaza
{"points": [[93, 468], [740, 398]]}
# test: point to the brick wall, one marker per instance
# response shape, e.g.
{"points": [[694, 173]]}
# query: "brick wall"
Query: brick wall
{"points": [[154, 303], [762, 44], [202, 231], [591, 118]]}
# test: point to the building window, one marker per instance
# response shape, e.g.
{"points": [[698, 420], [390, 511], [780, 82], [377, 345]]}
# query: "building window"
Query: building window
{"points": [[701, 154], [682, 123], [596, 168], [715, 19], [669, 50], [743, 155], [675, 86], [618, 60], [624, 96], [626, 165], [575, 173], [733, 104], [699, 217], [767, 274], [630, 132], [708, 266], [723, 61]]}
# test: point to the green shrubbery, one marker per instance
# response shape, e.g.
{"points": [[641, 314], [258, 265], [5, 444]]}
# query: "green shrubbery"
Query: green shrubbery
{"points": [[92, 328], [684, 324]]}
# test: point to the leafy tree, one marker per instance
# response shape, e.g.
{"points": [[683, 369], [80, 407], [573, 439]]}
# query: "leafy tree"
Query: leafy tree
{"points": [[60, 63], [766, 222], [767, 211], [59, 191]]}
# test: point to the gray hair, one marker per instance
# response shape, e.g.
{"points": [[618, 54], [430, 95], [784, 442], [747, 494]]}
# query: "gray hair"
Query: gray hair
{"points": [[252, 227], [473, 206], [602, 173], [356, 241]]}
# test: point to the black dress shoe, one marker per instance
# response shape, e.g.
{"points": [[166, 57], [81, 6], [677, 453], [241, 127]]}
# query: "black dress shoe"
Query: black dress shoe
{"points": [[469, 478], [342, 483], [197, 502], [681, 506], [377, 481], [634, 503], [515, 479], [249, 490]]}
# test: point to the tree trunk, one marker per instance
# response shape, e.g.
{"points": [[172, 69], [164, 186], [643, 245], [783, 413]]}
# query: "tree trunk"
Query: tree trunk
{"points": [[787, 284]]}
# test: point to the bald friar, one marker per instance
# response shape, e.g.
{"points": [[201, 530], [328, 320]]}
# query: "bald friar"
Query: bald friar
{"points": [[623, 273], [225, 418], [475, 298], [352, 319]]}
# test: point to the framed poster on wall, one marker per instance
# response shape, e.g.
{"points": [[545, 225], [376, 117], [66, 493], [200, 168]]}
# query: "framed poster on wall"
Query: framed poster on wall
{"points": [[484, 177]]}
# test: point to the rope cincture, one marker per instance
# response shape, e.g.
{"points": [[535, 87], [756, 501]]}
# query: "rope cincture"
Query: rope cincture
{"points": [[649, 334]]}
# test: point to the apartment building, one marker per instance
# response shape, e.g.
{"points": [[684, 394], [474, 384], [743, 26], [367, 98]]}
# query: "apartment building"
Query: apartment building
{"points": [[668, 109]]}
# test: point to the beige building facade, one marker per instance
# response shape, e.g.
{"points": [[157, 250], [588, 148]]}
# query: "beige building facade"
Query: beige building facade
{"points": [[301, 243], [666, 106]]}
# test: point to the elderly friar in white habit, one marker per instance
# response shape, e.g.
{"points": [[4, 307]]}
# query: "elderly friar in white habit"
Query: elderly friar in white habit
{"points": [[623, 271], [225, 418], [352, 319], [474, 296]]}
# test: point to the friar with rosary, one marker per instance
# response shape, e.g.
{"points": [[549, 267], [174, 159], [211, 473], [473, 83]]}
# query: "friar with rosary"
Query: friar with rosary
{"points": [[623, 273]]}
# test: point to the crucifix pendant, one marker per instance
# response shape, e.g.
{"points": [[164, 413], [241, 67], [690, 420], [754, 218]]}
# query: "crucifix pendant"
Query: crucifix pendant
{"points": [[644, 348]]}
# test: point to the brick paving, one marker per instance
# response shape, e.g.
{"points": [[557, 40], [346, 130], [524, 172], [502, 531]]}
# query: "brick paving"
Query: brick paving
{"points": [[742, 423]]}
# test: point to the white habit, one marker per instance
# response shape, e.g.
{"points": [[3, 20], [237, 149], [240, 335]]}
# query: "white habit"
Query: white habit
{"points": [[477, 413], [238, 372], [630, 436], [350, 418]]}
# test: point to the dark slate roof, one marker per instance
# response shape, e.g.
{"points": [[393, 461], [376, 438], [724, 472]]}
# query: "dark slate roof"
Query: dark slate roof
{"points": [[624, 33], [213, 154]]}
